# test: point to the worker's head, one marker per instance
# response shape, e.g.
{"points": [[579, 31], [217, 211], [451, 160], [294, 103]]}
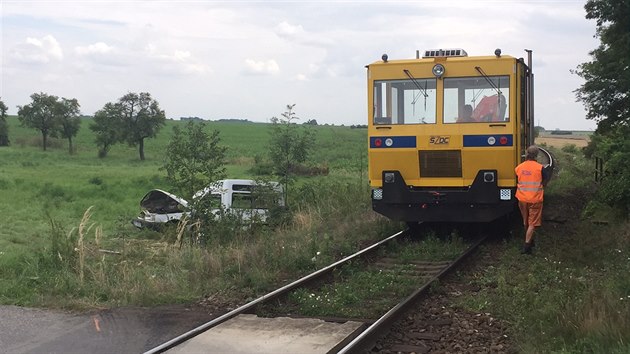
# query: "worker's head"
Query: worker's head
{"points": [[468, 111], [532, 152]]}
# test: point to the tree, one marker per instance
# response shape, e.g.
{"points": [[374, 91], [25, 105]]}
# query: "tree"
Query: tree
{"points": [[141, 118], [108, 127], [194, 158], [290, 145], [67, 119], [40, 115], [606, 97], [4, 126], [606, 90]]}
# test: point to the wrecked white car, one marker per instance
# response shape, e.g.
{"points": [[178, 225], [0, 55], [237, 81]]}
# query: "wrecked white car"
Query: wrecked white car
{"points": [[245, 198], [160, 207]]}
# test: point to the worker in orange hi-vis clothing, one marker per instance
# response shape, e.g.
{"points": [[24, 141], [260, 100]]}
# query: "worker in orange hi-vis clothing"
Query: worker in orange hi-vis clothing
{"points": [[532, 177]]}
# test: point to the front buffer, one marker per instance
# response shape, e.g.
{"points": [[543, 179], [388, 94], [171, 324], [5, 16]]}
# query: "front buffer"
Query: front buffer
{"points": [[483, 201]]}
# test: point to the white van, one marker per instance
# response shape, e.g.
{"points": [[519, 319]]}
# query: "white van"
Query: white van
{"points": [[236, 196]]}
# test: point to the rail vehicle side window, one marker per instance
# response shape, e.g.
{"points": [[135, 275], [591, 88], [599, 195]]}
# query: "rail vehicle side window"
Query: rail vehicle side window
{"points": [[405, 102], [477, 99]]}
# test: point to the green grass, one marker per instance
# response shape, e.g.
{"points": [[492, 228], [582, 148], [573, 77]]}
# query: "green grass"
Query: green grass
{"points": [[46, 193], [34, 183], [362, 292], [573, 294]]}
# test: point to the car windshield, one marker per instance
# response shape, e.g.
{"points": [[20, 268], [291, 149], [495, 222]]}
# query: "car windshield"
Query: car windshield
{"points": [[157, 201]]}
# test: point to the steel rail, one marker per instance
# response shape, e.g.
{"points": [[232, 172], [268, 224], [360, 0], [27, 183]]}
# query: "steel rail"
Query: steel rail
{"points": [[204, 327], [367, 337], [549, 156]]}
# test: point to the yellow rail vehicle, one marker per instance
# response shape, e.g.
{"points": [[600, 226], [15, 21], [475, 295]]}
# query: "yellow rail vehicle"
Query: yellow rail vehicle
{"points": [[446, 131]]}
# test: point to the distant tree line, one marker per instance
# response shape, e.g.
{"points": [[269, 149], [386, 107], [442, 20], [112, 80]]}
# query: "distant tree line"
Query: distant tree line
{"points": [[132, 119], [233, 120], [561, 132]]}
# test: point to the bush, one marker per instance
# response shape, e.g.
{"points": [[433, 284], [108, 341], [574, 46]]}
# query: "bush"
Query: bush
{"points": [[614, 149]]}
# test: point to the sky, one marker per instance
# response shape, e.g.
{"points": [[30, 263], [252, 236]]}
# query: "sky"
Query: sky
{"points": [[250, 59]]}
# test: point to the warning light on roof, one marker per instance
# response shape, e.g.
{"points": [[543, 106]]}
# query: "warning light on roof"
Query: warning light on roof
{"points": [[434, 53]]}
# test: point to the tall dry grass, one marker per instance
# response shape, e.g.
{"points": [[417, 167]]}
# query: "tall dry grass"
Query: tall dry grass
{"points": [[333, 221]]}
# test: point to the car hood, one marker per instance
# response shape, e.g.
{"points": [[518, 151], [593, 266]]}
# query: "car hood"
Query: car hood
{"points": [[159, 201]]}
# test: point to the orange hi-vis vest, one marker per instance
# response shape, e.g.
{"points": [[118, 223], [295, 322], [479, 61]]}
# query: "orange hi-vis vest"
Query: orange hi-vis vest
{"points": [[529, 188]]}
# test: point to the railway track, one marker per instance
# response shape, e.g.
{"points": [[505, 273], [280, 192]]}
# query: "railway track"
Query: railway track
{"points": [[239, 331]]}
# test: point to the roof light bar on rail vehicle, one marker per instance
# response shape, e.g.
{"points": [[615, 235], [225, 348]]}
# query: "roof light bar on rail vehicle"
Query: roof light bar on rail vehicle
{"points": [[455, 52]]}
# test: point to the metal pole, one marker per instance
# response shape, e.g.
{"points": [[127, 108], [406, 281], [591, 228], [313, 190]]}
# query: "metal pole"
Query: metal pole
{"points": [[530, 97]]}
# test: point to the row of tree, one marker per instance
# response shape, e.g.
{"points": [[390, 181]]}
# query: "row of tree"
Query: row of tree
{"points": [[132, 119]]}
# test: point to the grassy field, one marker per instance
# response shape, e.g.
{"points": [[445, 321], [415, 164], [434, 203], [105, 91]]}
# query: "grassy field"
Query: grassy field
{"points": [[38, 185], [573, 294], [44, 243]]}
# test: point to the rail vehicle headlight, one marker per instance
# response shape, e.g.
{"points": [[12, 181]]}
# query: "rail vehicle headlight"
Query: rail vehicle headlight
{"points": [[389, 142], [377, 194], [503, 140], [438, 70], [389, 177], [492, 140], [378, 142], [488, 177]]}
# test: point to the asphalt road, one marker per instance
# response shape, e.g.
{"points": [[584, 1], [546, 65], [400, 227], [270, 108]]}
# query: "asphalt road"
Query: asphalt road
{"points": [[120, 330]]}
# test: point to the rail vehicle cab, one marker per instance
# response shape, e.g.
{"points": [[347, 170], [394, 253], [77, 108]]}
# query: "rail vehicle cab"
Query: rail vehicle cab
{"points": [[446, 131]]}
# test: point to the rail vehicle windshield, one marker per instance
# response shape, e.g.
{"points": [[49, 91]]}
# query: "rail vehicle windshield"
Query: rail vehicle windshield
{"points": [[405, 101], [476, 99]]}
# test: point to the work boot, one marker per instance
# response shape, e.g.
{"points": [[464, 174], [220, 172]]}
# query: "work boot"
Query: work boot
{"points": [[527, 248]]}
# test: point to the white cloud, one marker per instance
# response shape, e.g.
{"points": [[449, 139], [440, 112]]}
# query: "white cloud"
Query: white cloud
{"points": [[176, 61], [297, 34], [36, 50], [284, 29], [96, 48], [181, 55], [168, 48], [265, 67]]}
